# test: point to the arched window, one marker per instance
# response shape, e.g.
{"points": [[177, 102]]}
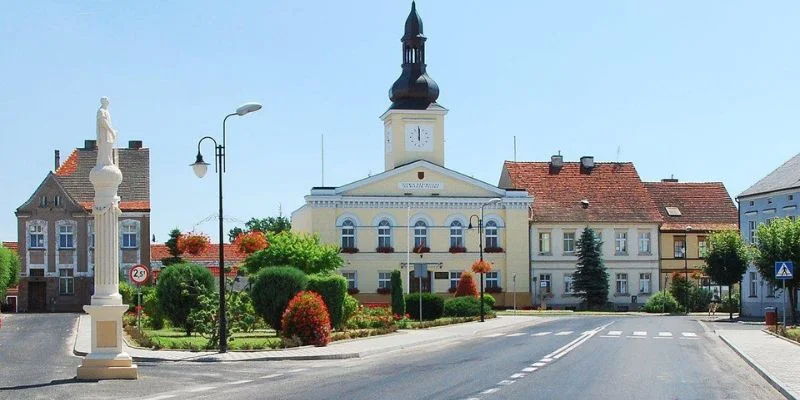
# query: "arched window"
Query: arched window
{"points": [[490, 231], [384, 234], [348, 234], [420, 234], [456, 234]]}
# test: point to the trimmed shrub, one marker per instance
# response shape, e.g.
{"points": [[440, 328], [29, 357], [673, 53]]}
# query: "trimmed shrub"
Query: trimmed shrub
{"points": [[128, 293], [307, 319], [179, 287], [465, 306], [150, 305], [489, 300], [729, 305], [432, 306], [349, 308], [398, 305], [466, 285], [699, 299], [272, 290], [333, 289], [661, 302]]}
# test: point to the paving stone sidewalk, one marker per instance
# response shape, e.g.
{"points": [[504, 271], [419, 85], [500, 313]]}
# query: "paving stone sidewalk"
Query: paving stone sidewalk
{"points": [[337, 350], [776, 359]]}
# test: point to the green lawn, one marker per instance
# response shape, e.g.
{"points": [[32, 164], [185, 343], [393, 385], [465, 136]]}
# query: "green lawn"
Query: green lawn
{"points": [[171, 338], [793, 333]]}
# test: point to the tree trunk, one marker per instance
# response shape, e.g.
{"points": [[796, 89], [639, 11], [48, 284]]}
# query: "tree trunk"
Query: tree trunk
{"points": [[730, 302], [792, 303]]}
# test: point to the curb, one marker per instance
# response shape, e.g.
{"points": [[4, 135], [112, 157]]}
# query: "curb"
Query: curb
{"points": [[775, 382], [781, 337], [75, 350]]}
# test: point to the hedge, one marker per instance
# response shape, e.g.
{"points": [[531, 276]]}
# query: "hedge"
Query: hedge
{"points": [[178, 289], [272, 290], [432, 306], [333, 289]]}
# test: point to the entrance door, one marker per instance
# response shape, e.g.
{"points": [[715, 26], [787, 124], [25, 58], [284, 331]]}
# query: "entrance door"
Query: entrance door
{"points": [[12, 303], [426, 282], [37, 296]]}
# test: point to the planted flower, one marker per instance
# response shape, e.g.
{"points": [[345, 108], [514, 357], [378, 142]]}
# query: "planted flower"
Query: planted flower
{"points": [[251, 242], [193, 242], [481, 267]]}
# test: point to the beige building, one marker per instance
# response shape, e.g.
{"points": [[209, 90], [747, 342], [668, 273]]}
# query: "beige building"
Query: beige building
{"points": [[417, 213]]}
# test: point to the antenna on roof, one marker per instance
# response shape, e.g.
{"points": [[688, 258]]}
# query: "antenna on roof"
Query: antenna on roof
{"points": [[515, 148], [322, 156], [280, 210], [619, 150]]}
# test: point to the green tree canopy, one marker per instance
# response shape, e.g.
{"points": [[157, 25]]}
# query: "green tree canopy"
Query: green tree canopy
{"points": [[172, 247], [9, 270], [179, 289], [302, 251], [591, 279], [266, 225], [779, 241], [727, 259]]}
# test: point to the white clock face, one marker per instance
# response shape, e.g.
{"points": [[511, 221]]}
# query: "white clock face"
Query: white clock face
{"points": [[419, 137], [388, 138]]}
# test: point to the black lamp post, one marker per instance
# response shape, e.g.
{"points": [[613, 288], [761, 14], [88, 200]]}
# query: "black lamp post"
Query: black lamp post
{"points": [[200, 168], [480, 242], [686, 268]]}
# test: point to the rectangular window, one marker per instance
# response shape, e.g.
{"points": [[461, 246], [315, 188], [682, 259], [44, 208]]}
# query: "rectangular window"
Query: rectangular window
{"points": [[455, 276], [568, 284], [544, 243], [753, 285], [569, 242], [492, 279], [644, 282], [770, 289], [791, 197], [129, 236], [36, 237], [384, 280], [644, 243], [351, 279], [702, 246], [66, 283], [43, 201], [751, 226], [622, 284], [545, 283], [66, 237], [621, 243], [679, 246]]}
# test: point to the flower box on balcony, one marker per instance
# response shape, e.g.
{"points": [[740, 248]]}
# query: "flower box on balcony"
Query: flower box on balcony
{"points": [[451, 290], [349, 250], [384, 290], [458, 249], [493, 289], [422, 249], [493, 249], [352, 291], [384, 249]]}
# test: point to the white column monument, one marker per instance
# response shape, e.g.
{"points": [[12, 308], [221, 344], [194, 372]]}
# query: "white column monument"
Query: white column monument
{"points": [[107, 359]]}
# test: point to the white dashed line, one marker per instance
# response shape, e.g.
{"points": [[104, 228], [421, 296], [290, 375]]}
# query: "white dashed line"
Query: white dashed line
{"points": [[162, 397], [564, 333], [270, 376], [515, 334], [505, 382], [490, 391], [688, 334], [607, 336], [297, 370], [529, 369], [541, 333], [240, 382], [202, 389], [493, 335], [538, 364], [615, 333], [665, 334], [517, 376], [546, 360], [639, 333]]}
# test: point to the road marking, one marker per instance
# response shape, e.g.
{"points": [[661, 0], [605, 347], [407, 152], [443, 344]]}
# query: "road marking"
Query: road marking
{"points": [[546, 360], [490, 391], [297, 370], [162, 397], [240, 382], [541, 333], [202, 389], [564, 333], [270, 376], [529, 369], [494, 335], [639, 333], [665, 334], [607, 336], [538, 364], [517, 376], [688, 334], [615, 333], [515, 334], [505, 382], [575, 343]]}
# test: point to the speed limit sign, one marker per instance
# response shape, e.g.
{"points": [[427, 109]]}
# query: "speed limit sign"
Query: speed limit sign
{"points": [[138, 274]]}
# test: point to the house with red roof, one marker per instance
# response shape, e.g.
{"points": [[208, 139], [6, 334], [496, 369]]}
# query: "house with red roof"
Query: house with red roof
{"points": [[55, 229], [9, 303], [691, 211], [208, 258], [608, 197]]}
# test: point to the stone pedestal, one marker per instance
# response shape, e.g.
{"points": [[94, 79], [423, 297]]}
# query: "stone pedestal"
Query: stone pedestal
{"points": [[107, 359]]}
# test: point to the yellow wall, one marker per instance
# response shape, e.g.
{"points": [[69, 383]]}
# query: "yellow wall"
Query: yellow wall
{"points": [[398, 119], [669, 264]]}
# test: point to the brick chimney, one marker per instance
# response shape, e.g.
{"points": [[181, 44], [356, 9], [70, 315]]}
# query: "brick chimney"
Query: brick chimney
{"points": [[57, 160]]}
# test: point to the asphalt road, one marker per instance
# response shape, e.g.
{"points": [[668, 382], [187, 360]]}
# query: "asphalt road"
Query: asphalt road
{"points": [[568, 358]]}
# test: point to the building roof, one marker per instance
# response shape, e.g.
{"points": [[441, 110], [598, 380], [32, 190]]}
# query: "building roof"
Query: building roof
{"points": [[209, 256], [11, 245], [134, 191], [787, 176], [614, 191], [705, 206]]}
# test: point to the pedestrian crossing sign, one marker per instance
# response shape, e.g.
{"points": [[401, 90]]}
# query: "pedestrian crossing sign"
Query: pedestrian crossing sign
{"points": [[784, 270]]}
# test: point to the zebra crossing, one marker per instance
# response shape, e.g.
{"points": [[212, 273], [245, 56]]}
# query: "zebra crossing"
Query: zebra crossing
{"points": [[608, 334]]}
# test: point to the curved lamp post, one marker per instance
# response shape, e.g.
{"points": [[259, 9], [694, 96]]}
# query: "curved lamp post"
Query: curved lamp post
{"points": [[480, 242], [200, 168]]}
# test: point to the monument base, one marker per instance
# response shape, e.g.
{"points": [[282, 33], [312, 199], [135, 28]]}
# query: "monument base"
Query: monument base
{"points": [[107, 360]]}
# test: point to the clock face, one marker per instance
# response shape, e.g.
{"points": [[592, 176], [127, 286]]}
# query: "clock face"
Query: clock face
{"points": [[419, 137], [388, 138]]}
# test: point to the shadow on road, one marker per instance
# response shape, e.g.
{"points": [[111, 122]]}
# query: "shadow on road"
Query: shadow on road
{"points": [[39, 385]]}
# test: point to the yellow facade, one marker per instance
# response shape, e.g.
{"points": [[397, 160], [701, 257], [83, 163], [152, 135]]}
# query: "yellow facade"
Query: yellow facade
{"points": [[672, 259]]}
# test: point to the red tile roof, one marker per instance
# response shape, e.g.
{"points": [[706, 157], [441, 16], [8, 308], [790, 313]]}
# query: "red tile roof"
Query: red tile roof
{"points": [[69, 166], [209, 256], [614, 190], [705, 206], [11, 245], [123, 205]]}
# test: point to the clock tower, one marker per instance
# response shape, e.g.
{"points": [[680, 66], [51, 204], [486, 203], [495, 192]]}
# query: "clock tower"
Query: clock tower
{"points": [[414, 123]]}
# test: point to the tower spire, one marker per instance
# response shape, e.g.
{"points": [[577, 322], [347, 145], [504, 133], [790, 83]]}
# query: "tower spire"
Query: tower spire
{"points": [[414, 89]]}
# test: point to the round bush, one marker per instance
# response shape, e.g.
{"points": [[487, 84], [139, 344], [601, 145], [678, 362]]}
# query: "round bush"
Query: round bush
{"points": [[462, 307], [661, 302], [272, 290], [432, 306], [333, 289], [307, 319], [179, 287], [349, 308], [466, 285], [488, 300]]}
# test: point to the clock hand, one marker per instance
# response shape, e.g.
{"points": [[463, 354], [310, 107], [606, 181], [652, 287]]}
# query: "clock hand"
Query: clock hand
{"points": [[418, 135]]}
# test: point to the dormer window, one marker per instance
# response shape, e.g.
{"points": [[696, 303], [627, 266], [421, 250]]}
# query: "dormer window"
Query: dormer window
{"points": [[57, 201], [43, 201]]}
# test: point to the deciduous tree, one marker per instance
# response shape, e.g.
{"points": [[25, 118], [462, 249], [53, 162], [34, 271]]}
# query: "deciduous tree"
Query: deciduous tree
{"points": [[269, 225], [302, 251], [779, 241], [726, 260]]}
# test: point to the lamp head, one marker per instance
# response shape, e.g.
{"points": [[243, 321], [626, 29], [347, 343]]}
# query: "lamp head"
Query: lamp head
{"points": [[247, 108], [585, 203], [200, 167]]}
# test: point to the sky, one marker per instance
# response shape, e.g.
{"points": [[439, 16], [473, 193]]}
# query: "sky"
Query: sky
{"points": [[702, 91]]}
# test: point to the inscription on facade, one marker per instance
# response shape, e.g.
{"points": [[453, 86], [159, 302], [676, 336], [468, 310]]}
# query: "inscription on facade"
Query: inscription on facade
{"points": [[420, 185]]}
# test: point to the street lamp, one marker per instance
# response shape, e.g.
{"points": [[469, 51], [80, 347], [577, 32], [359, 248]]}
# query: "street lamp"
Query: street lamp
{"points": [[480, 242], [686, 267], [200, 168]]}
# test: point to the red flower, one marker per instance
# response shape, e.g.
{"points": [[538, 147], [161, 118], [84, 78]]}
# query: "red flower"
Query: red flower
{"points": [[193, 242], [481, 266], [251, 242]]}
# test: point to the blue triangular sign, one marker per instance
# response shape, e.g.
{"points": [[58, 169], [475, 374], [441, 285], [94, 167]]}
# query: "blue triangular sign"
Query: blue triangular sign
{"points": [[783, 272]]}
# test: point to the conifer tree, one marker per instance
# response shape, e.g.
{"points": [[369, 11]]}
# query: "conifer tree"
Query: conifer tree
{"points": [[398, 303], [590, 279]]}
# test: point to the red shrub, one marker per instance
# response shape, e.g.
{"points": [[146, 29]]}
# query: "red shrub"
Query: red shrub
{"points": [[307, 317], [466, 285]]}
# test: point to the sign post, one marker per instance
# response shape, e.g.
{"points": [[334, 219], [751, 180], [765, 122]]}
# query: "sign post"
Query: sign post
{"points": [[138, 275], [784, 270], [419, 270]]}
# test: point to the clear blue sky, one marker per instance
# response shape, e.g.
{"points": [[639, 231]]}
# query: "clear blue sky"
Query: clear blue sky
{"points": [[707, 91]]}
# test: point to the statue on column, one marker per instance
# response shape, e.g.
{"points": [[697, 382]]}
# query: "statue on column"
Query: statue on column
{"points": [[106, 135]]}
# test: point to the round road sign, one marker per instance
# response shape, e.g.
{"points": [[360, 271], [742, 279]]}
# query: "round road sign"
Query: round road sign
{"points": [[138, 274]]}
